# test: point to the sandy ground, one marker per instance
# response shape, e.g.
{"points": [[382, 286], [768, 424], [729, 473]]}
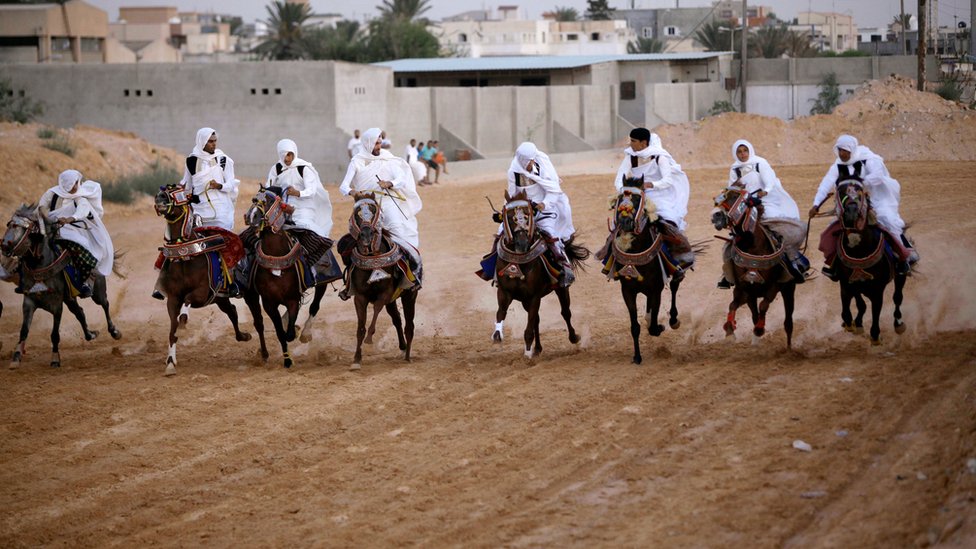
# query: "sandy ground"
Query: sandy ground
{"points": [[471, 445]]}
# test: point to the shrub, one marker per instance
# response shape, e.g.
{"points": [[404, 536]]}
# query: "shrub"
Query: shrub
{"points": [[61, 144], [148, 182], [46, 132], [949, 88], [829, 96], [16, 109], [721, 106]]}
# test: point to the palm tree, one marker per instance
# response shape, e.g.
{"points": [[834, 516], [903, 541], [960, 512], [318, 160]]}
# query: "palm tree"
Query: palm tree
{"points": [[799, 44], [285, 22], [406, 10], [769, 42], [645, 45], [565, 14], [599, 10], [343, 43], [714, 36]]}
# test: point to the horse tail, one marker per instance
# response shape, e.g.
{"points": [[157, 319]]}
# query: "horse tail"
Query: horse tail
{"points": [[699, 247], [576, 253], [117, 264]]}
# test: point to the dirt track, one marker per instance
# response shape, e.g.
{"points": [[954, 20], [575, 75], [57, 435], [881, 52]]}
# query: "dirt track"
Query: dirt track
{"points": [[470, 445]]}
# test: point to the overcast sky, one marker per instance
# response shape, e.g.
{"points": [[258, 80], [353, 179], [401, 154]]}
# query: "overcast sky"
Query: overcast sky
{"points": [[866, 12]]}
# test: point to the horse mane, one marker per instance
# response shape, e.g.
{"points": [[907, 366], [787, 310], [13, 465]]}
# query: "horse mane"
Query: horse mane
{"points": [[26, 210], [519, 195], [363, 195]]}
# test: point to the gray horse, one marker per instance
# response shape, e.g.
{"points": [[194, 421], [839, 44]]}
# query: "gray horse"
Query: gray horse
{"points": [[31, 240]]}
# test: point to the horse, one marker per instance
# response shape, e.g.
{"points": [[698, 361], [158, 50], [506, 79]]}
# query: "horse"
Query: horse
{"points": [[865, 265], [185, 272], [757, 257], [30, 239], [523, 273], [379, 275], [634, 255], [277, 278]]}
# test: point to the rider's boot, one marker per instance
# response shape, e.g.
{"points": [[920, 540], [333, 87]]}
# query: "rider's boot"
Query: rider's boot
{"points": [[724, 283], [912, 254], [558, 249], [828, 271], [344, 292], [798, 268], [84, 291], [158, 295]]}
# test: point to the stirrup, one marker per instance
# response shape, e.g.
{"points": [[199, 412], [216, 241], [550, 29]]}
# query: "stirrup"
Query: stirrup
{"points": [[344, 294], [158, 295], [829, 273], [84, 291], [903, 268], [724, 284]]}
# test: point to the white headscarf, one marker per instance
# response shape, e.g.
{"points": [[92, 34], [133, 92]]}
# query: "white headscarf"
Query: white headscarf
{"points": [[849, 144], [203, 135], [750, 163], [286, 146], [89, 190], [368, 141], [656, 141], [527, 152]]}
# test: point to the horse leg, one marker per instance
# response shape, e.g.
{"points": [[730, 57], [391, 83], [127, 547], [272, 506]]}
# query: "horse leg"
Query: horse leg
{"points": [[56, 335], [846, 295], [313, 310], [862, 307], [673, 312], [184, 315], [361, 305], [377, 307], [29, 308], [759, 327], [224, 304], [877, 302], [630, 300], [504, 300], [79, 313], [899, 294], [271, 309], [173, 308], [253, 301], [563, 295], [653, 308], [394, 313], [100, 297], [532, 328], [291, 310], [789, 293], [409, 300], [738, 298]]}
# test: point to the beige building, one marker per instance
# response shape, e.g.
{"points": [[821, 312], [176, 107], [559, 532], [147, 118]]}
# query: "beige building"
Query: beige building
{"points": [[74, 32], [518, 37], [828, 31], [165, 35]]}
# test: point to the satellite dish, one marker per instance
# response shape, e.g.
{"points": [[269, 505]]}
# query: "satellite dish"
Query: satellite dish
{"points": [[962, 24]]}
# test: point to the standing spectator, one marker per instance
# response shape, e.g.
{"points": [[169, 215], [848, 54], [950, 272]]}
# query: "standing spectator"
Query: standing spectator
{"points": [[355, 144]]}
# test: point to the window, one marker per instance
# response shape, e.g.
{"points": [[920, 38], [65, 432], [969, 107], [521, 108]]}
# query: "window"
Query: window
{"points": [[572, 37], [148, 93], [462, 38], [647, 32], [628, 90], [59, 43], [138, 93], [91, 44], [672, 31], [127, 93], [595, 36], [534, 81], [277, 91]]}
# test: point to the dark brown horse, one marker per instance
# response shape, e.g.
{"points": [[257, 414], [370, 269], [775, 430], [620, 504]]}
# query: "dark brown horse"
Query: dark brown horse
{"points": [[635, 257], [864, 263], [276, 278], [378, 276], [758, 256], [31, 239], [523, 273], [185, 274]]}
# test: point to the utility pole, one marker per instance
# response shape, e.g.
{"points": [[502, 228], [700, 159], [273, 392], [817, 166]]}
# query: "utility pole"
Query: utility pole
{"points": [[904, 29], [972, 21], [743, 55], [922, 27]]}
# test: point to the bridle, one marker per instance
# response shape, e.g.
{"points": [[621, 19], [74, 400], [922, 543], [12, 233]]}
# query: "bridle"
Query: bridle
{"points": [[176, 210], [272, 216], [30, 226], [520, 213], [365, 217], [851, 192], [624, 208]]}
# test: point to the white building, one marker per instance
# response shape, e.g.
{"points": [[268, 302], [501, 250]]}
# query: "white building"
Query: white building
{"points": [[828, 31]]}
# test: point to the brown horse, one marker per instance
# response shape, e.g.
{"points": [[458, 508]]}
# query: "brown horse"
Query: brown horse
{"points": [[758, 258], [379, 275], [32, 240], [865, 265], [185, 276], [276, 279], [635, 256], [524, 274]]}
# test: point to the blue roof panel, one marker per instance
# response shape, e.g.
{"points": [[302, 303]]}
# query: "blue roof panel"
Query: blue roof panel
{"points": [[537, 62]]}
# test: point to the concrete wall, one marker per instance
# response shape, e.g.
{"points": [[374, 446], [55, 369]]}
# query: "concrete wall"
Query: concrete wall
{"points": [[675, 103]]}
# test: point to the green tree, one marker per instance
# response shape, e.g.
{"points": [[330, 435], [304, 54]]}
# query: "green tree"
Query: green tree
{"points": [[769, 42], [829, 96], [645, 45], [598, 10], [715, 36], [285, 41], [565, 14], [798, 44], [398, 39], [406, 10], [345, 42]]}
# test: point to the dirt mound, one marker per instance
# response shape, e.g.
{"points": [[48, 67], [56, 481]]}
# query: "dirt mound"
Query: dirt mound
{"points": [[890, 116], [28, 168]]}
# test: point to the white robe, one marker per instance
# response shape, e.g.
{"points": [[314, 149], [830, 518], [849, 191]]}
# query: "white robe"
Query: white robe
{"points": [[88, 232], [671, 188], [412, 156], [398, 206], [777, 204], [542, 186], [313, 208], [884, 190]]}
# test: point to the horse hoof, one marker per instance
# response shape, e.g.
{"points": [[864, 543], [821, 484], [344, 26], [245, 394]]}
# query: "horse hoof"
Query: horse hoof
{"points": [[91, 335], [574, 339], [305, 337], [729, 328], [182, 320], [496, 337], [355, 367], [858, 330], [675, 324], [759, 332], [900, 328], [876, 342], [170, 370], [637, 360], [289, 362], [243, 337], [115, 334], [55, 363], [528, 354], [368, 340], [655, 330]]}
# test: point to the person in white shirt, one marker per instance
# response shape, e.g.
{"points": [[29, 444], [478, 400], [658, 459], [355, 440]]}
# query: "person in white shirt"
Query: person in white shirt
{"points": [[209, 175], [354, 146], [412, 156]]}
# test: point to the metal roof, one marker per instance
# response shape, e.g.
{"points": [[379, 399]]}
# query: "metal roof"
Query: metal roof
{"points": [[536, 62]]}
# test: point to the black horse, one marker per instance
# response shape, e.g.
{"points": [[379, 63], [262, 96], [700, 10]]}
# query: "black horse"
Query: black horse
{"points": [[33, 241], [865, 265]]}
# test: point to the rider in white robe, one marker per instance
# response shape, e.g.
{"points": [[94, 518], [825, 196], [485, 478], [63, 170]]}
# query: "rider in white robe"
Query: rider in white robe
{"points": [[303, 191], [665, 184], [856, 161], [76, 205], [212, 181], [753, 173]]}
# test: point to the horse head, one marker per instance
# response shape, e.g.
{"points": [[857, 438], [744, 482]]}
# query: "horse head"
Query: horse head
{"points": [[268, 210], [518, 220], [737, 209], [852, 204], [23, 229], [172, 202], [364, 223], [631, 209]]}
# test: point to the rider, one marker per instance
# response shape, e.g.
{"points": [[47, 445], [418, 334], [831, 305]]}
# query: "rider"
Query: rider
{"points": [[666, 186], [76, 207], [390, 179], [860, 163], [780, 213], [302, 189]]}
